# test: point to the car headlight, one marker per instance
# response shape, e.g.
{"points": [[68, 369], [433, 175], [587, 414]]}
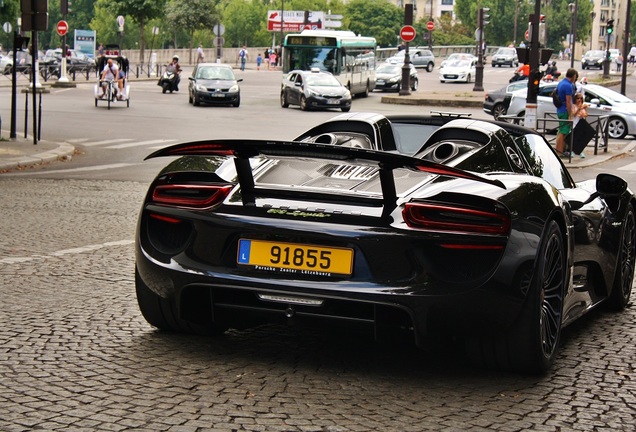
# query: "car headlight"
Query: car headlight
{"points": [[313, 92], [201, 88], [347, 94], [394, 79], [234, 88]]}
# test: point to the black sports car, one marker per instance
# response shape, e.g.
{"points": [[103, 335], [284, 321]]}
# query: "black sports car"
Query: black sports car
{"points": [[422, 225]]}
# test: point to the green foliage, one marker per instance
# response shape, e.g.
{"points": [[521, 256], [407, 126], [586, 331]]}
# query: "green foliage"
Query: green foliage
{"points": [[500, 31], [377, 18], [140, 12], [446, 32], [189, 16], [245, 23]]}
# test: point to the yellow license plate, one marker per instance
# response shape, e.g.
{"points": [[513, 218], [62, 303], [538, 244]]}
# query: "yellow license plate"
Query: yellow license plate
{"points": [[295, 258]]}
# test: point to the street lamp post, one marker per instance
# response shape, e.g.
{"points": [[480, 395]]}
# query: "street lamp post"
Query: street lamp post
{"points": [[592, 17], [573, 7]]}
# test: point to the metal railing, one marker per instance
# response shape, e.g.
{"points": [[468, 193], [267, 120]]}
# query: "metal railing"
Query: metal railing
{"points": [[549, 125]]}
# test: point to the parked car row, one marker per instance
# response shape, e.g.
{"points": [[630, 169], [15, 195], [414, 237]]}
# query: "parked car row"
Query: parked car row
{"points": [[602, 101]]}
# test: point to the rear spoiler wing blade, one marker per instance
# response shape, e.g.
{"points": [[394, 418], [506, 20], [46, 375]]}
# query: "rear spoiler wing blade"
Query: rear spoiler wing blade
{"points": [[243, 150]]}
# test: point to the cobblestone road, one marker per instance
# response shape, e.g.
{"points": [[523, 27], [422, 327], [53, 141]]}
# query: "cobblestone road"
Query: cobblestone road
{"points": [[75, 354]]}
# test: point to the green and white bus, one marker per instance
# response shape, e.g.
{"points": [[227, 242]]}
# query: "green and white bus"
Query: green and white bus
{"points": [[348, 57]]}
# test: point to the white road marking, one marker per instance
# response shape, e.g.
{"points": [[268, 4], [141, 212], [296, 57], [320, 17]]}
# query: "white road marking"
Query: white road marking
{"points": [[104, 142], [63, 252], [72, 170], [140, 143], [630, 167]]}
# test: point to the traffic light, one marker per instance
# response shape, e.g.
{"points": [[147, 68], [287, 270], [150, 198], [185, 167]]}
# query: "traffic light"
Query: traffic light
{"points": [[610, 26], [483, 17], [65, 6]]}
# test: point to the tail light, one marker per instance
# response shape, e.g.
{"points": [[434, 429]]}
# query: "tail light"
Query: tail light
{"points": [[198, 196], [452, 218]]}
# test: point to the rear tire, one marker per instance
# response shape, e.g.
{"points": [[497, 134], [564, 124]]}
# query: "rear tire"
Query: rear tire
{"points": [[414, 84], [303, 103], [498, 110], [624, 277], [616, 128], [283, 100], [162, 313], [430, 67], [532, 342]]}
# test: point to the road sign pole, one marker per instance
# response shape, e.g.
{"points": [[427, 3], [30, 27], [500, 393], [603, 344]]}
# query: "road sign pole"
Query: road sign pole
{"points": [[63, 78], [409, 32]]}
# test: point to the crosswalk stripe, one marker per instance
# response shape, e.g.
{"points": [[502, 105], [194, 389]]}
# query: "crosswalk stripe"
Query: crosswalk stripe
{"points": [[104, 142], [140, 143]]}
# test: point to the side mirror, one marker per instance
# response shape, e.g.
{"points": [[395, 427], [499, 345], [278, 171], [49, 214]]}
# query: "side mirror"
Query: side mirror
{"points": [[609, 185], [596, 102]]}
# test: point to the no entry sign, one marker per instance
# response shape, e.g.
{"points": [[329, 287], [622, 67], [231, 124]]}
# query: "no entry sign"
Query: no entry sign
{"points": [[407, 33], [62, 28], [430, 26]]}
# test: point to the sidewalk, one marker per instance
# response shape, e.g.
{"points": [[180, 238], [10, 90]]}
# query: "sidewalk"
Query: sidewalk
{"points": [[21, 153]]}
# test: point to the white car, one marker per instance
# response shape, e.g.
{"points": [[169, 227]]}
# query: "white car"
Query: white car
{"points": [[458, 71], [458, 56], [603, 101]]}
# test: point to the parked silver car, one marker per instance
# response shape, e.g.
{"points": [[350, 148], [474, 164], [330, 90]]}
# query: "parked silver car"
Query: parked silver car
{"points": [[505, 57], [419, 57], [603, 102]]}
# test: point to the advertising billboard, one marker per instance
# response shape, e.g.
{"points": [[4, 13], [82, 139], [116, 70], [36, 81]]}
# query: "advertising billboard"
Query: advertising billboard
{"points": [[295, 21]]}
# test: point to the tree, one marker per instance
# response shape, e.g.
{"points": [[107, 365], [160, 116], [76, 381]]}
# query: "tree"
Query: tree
{"points": [[190, 16], [377, 18], [246, 23], [140, 11]]}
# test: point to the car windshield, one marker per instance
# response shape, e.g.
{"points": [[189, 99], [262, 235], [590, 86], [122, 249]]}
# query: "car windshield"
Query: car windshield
{"points": [[214, 73], [595, 53], [610, 95], [459, 63], [389, 68], [322, 80], [506, 51]]}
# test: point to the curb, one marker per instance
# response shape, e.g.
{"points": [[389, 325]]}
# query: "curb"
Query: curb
{"points": [[62, 151]]}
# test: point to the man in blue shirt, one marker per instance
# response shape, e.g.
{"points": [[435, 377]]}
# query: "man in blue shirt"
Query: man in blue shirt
{"points": [[565, 90]]}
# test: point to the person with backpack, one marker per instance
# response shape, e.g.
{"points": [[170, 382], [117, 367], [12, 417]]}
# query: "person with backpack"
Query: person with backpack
{"points": [[565, 94], [243, 56]]}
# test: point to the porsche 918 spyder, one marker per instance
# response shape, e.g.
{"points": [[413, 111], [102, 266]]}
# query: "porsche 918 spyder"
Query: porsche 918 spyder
{"points": [[429, 226]]}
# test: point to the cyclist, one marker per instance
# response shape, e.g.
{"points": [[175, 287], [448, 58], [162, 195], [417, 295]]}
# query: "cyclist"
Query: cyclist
{"points": [[110, 74]]}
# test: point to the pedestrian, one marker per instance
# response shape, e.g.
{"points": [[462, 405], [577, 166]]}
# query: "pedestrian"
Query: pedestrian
{"points": [[565, 90], [619, 62], [266, 58], [273, 59], [200, 55], [259, 60], [632, 55], [243, 56], [522, 44], [579, 111], [100, 50], [561, 55]]}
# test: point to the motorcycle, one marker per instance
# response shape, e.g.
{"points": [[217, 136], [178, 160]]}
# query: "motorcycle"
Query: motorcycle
{"points": [[518, 76], [168, 80]]}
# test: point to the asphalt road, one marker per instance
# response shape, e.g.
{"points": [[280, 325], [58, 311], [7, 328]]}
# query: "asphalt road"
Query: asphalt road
{"points": [[76, 355]]}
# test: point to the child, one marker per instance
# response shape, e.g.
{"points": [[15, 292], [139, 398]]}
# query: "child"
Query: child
{"points": [[259, 60]]}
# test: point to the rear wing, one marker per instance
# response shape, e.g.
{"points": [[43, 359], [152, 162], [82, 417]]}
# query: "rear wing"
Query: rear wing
{"points": [[243, 150]]}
